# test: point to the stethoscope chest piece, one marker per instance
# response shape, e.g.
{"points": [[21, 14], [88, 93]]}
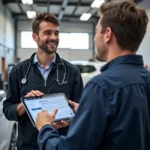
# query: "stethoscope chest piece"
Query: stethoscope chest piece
{"points": [[23, 81]]}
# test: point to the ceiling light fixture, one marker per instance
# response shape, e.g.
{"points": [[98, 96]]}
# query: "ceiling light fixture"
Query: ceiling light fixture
{"points": [[29, 2], [31, 14], [85, 16], [97, 3], [24, 2]]}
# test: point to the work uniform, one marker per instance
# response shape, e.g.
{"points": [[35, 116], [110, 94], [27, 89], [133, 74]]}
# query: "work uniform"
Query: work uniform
{"points": [[114, 111], [72, 88]]}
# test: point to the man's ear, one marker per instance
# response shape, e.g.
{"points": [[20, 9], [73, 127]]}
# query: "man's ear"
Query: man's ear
{"points": [[108, 34], [35, 37]]}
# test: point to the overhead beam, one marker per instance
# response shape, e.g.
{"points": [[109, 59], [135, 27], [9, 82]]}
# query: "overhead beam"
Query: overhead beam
{"points": [[19, 5], [75, 9], [43, 3], [48, 5], [19, 15], [63, 7]]}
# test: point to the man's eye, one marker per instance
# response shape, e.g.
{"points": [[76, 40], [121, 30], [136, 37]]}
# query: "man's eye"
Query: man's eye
{"points": [[47, 33], [56, 33]]}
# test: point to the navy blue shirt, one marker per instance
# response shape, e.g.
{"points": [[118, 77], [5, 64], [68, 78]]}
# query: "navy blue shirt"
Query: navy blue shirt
{"points": [[114, 111]]}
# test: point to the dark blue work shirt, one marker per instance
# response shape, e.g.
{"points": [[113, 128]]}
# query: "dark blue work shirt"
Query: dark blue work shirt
{"points": [[114, 111]]}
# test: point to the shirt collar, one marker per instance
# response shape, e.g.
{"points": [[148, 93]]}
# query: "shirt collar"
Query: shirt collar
{"points": [[126, 59], [36, 61]]}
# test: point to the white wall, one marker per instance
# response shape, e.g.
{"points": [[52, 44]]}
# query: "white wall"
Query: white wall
{"points": [[67, 54], [6, 35], [145, 45]]}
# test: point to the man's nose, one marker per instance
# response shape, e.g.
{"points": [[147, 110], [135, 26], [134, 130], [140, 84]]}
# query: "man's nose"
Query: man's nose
{"points": [[53, 36]]}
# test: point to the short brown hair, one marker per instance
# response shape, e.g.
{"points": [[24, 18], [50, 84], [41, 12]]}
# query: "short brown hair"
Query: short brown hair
{"points": [[45, 16], [127, 22]]}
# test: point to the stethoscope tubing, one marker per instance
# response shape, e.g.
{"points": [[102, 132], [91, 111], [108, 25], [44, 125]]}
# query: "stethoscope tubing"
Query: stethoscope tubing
{"points": [[24, 80], [57, 79]]}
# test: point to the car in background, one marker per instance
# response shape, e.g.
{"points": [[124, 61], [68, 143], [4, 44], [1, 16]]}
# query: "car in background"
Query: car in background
{"points": [[88, 69], [8, 129]]}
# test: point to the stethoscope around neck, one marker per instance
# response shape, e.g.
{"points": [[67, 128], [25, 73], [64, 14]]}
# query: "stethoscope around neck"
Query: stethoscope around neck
{"points": [[24, 80], [57, 77]]}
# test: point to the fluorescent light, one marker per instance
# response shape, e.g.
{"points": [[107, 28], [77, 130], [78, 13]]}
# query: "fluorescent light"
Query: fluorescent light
{"points": [[24, 1], [97, 3], [31, 14], [30, 2], [85, 16]]}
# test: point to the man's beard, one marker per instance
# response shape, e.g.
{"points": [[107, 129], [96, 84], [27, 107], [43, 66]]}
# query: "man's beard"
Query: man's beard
{"points": [[45, 48]]}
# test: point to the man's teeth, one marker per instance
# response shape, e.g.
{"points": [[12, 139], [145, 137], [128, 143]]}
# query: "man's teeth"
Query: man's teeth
{"points": [[51, 43]]}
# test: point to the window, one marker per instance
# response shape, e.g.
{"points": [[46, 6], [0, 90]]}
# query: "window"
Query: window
{"points": [[27, 40], [74, 40], [67, 40]]}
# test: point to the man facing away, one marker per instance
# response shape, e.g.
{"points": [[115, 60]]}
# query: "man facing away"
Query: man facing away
{"points": [[44, 73], [114, 110]]}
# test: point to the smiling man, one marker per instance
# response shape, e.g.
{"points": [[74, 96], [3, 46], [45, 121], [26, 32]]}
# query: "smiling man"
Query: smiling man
{"points": [[44, 73]]}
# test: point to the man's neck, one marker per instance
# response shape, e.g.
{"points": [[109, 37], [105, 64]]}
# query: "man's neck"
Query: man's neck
{"points": [[117, 52], [44, 58]]}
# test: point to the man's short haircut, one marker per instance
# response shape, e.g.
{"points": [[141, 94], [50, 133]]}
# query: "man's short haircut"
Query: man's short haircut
{"points": [[45, 16], [127, 22]]}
